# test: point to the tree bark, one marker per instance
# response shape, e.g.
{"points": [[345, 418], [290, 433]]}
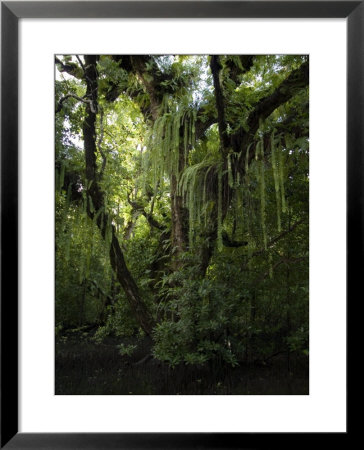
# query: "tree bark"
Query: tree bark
{"points": [[220, 105], [179, 215], [95, 201]]}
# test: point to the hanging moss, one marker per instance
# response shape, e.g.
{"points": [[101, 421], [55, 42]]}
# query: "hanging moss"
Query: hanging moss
{"points": [[261, 181], [165, 140], [191, 211], [185, 140], [276, 182], [191, 127], [281, 177], [230, 174], [81, 270], [193, 184], [176, 129], [219, 208], [206, 201], [145, 161], [247, 158], [238, 179], [257, 151]]}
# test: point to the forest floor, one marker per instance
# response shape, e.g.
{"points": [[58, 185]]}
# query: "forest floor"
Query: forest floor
{"points": [[86, 368]]}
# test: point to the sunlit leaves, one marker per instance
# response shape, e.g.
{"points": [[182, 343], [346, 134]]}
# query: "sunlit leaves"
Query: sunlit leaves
{"points": [[248, 215]]}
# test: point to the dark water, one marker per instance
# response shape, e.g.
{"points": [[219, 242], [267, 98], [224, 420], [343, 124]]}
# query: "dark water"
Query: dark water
{"points": [[85, 368]]}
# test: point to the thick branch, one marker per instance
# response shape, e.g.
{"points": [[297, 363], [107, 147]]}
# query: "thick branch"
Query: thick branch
{"points": [[81, 63], [70, 68], [140, 66], [228, 242], [151, 81], [99, 143], [288, 88], [297, 80], [80, 99], [280, 236], [99, 290], [137, 64], [151, 220], [245, 63], [202, 125]]}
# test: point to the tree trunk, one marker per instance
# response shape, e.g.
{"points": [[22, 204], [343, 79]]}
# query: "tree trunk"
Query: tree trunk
{"points": [[96, 208], [179, 214]]}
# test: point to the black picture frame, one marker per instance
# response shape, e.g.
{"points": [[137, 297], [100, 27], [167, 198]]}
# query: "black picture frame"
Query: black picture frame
{"points": [[11, 12]]}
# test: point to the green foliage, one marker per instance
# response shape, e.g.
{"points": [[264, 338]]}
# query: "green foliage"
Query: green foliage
{"points": [[298, 341], [80, 259], [248, 215], [126, 349]]}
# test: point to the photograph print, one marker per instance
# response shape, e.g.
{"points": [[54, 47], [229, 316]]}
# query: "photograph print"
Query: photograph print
{"points": [[182, 224]]}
